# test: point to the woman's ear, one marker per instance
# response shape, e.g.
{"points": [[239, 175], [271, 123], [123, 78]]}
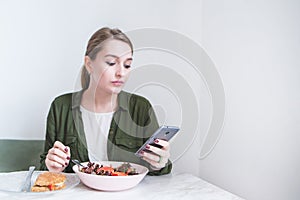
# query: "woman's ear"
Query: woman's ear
{"points": [[87, 64]]}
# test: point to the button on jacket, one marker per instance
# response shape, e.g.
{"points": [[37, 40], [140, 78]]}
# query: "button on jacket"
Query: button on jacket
{"points": [[132, 124]]}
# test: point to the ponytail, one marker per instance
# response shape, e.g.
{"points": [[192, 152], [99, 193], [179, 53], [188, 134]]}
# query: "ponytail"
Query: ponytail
{"points": [[85, 78]]}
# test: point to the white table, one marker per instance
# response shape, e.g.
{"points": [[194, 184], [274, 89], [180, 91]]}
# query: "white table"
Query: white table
{"points": [[167, 187]]}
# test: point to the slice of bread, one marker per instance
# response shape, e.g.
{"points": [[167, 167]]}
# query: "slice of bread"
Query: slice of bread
{"points": [[49, 181]]}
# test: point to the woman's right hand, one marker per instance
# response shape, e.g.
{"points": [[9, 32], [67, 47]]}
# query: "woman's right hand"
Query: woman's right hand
{"points": [[58, 157]]}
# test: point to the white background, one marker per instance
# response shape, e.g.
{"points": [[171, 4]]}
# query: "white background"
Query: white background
{"points": [[254, 44]]}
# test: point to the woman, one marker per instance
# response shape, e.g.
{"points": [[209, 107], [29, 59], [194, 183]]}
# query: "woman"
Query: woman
{"points": [[103, 122]]}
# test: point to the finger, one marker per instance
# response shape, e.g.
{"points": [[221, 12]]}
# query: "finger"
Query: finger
{"points": [[56, 159], [165, 144], [161, 152], [58, 152], [52, 165], [61, 146], [154, 164], [151, 156], [68, 152], [155, 159], [59, 156]]}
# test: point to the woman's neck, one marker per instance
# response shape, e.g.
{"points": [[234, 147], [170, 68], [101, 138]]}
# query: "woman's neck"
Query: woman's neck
{"points": [[99, 101]]}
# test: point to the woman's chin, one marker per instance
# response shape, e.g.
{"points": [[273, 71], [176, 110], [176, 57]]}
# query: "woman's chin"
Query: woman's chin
{"points": [[117, 90]]}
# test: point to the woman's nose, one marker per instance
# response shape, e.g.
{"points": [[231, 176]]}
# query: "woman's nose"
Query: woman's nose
{"points": [[120, 70]]}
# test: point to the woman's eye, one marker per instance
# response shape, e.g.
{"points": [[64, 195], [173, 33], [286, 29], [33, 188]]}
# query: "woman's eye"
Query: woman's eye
{"points": [[110, 63], [127, 66]]}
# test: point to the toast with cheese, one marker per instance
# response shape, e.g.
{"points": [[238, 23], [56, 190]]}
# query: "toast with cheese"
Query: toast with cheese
{"points": [[49, 181]]}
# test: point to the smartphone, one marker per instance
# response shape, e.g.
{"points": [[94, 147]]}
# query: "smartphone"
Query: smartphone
{"points": [[163, 133]]}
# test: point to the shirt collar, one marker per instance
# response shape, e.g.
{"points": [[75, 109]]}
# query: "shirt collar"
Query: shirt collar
{"points": [[123, 100]]}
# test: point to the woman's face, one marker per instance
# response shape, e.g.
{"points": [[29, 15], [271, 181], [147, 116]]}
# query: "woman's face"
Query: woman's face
{"points": [[111, 67]]}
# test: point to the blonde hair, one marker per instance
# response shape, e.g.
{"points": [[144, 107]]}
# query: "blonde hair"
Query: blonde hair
{"points": [[94, 46]]}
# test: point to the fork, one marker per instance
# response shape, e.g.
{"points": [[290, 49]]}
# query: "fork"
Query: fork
{"points": [[77, 163], [27, 182]]}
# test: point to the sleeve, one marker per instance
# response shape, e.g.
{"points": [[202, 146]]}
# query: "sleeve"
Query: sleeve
{"points": [[50, 136]]}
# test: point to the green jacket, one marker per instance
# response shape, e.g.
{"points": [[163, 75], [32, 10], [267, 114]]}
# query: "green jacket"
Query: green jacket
{"points": [[132, 124]]}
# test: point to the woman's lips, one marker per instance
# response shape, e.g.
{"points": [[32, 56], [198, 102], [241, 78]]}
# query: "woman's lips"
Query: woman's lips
{"points": [[117, 83]]}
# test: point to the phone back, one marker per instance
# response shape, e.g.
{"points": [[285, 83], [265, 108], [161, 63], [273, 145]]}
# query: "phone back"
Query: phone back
{"points": [[163, 133]]}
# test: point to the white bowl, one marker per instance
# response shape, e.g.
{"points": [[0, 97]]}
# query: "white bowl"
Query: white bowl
{"points": [[111, 183]]}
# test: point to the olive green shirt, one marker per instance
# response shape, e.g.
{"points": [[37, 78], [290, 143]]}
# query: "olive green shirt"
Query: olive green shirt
{"points": [[132, 124]]}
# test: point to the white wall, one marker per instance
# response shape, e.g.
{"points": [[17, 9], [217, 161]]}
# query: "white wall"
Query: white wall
{"points": [[43, 43], [255, 45]]}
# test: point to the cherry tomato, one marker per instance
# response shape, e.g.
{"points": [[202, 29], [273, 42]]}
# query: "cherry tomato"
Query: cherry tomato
{"points": [[118, 174]]}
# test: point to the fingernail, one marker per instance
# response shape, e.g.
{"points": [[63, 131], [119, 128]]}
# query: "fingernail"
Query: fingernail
{"points": [[66, 164], [66, 149], [142, 153], [68, 158], [62, 166], [147, 146], [156, 141]]}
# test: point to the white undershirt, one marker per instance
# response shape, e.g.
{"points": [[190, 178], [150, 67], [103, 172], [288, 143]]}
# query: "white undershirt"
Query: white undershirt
{"points": [[96, 128]]}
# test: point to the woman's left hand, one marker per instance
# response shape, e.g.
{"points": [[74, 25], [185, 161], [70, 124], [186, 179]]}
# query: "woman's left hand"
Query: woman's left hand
{"points": [[158, 157]]}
